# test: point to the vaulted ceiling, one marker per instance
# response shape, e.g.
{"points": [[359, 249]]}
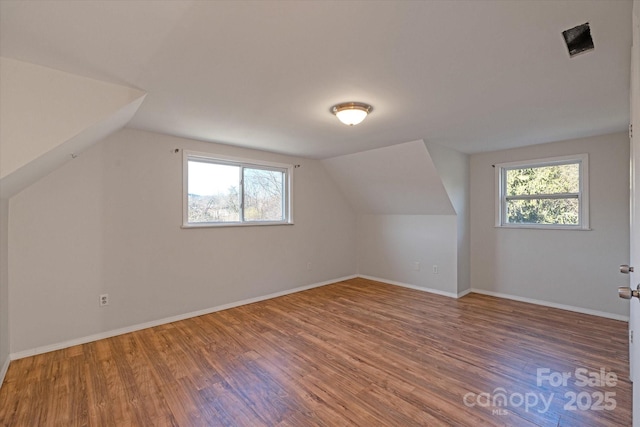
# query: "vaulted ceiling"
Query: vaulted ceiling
{"points": [[471, 75]]}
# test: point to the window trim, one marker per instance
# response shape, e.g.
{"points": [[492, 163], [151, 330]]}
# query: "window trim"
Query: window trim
{"points": [[241, 162], [582, 195]]}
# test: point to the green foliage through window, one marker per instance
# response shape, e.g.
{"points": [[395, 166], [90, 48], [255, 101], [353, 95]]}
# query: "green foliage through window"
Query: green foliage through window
{"points": [[555, 179], [542, 194]]}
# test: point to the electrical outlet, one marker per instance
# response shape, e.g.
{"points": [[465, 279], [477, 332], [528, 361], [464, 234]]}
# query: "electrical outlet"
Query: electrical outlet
{"points": [[434, 269], [416, 265], [104, 300]]}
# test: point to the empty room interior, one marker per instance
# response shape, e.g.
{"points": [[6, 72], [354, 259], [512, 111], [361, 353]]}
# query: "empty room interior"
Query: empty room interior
{"points": [[318, 213]]}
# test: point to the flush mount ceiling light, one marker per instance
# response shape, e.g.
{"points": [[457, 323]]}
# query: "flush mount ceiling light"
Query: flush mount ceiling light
{"points": [[351, 113]]}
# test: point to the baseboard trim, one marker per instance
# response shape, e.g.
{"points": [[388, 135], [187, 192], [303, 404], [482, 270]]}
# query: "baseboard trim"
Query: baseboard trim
{"points": [[406, 285], [140, 326], [553, 305], [4, 369], [463, 293], [502, 295]]}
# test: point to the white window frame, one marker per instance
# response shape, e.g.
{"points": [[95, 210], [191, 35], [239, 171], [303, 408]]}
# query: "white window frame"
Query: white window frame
{"points": [[583, 194], [240, 162]]}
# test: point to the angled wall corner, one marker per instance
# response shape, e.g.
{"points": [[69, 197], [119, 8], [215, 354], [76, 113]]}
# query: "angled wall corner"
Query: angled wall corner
{"points": [[47, 115], [453, 168], [407, 231], [397, 180]]}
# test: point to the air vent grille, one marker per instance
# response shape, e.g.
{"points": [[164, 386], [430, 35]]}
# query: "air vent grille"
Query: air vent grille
{"points": [[578, 39]]}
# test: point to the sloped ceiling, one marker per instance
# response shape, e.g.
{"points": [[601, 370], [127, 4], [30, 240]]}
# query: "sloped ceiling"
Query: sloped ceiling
{"points": [[396, 180], [48, 116], [473, 75]]}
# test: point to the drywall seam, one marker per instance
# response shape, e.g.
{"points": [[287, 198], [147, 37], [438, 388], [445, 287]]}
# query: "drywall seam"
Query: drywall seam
{"points": [[133, 328]]}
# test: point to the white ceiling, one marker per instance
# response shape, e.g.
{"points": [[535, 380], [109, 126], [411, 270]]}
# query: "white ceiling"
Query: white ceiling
{"points": [[470, 75]]}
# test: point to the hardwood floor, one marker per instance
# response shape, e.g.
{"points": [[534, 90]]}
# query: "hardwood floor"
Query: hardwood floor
{"points": [[353, 353]]}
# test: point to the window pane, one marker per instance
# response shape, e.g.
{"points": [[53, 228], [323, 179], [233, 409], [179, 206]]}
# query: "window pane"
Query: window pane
{"points": [[263, 195], [543, 211], [544, 180], [213, 193]]}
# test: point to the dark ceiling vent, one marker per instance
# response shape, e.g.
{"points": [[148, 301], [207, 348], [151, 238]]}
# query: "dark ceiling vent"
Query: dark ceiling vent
{"points": [[578, 39]]}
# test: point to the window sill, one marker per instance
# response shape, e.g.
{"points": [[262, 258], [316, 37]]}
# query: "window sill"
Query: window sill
{"points": [[234, 224], [543, 227]]}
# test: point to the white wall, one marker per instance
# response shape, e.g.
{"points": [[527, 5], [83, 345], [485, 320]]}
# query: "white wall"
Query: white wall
{"points": [[48, 115], [109, 222], [574, 268], [390, 245], [400, 179], [41, 108], [405, 214], [453, 168]]}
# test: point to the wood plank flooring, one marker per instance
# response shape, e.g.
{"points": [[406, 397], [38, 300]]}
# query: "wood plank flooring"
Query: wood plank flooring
{"points": [[358, 352]]}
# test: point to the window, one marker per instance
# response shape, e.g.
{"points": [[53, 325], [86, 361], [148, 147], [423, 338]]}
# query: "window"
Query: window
{"points": [[222, 191], [544, 193]]}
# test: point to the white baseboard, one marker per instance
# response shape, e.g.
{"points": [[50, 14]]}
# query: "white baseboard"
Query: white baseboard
{"points": [[4, 369], [463, 293], [133, 328], [552, 305], [505, 296], [406, 285]]}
